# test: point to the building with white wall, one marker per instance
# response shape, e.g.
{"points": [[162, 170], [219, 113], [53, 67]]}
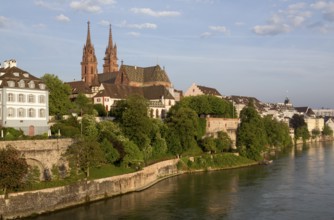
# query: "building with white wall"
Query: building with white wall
{"points": [[24, 100]]}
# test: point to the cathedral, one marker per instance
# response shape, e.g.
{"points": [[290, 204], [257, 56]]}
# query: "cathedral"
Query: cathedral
{"points": [[116, 83]]}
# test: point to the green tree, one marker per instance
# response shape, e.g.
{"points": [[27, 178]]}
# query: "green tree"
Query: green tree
{"points": [[327, 131], [13, 169], [223, 142], [84, 154], [251, 134], [209, 144], [302, 132], [183, 129], [100, 109], [59, 102], [135, 122], [133, 155], [89, 127], [83, 105], [278, 134], [111, 154]]}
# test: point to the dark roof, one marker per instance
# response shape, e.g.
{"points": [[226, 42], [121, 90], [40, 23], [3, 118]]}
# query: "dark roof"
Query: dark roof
{"points": [[246, 100], [305, 110], [79, 87], [107, 77], [145, 74], [209, 91], [124, 91], [16, 75]]}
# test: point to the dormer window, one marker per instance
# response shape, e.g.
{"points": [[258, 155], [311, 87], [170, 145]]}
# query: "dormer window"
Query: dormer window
{"points": [[42, 86], [11, 83], [26, 75], [21, 84], [31, 85], [2, 73], [16, 74]]}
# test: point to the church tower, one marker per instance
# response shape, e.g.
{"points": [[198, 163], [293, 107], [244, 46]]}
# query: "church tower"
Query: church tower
{"points": [[89, 61], [110, 59]]}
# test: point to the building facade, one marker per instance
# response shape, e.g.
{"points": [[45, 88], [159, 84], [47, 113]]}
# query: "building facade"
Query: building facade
{"points": [[24, 100]]}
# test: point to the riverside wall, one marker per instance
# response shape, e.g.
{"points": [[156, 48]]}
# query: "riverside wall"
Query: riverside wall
{"points": [[48, 200]]}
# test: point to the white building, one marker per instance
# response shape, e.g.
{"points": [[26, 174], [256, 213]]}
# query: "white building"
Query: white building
{"points": [[23, 100]]}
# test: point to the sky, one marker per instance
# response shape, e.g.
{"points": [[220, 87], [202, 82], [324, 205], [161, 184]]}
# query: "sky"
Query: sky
{"points": [[268, 49]]}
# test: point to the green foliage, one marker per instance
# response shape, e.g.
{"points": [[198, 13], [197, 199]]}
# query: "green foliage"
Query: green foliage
{"points": [[33, 176], [85, 153], [209, 144], [13, 134], [135, 122], [100, 109], [59, 102], [111, 154], [13, 169], [297, 121], [315, 132], [133, 156], [67, 128], [216, 161], [208, 105], [327, 131], [302, 132], [183, 129], [251, 134], [89, 127], [278, 134], [83, 105], [223, 142]]}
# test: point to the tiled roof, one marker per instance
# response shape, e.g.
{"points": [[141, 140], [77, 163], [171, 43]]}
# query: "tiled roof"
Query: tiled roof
{"points": [[107, 77], [146, 74], [123, 91], [79, 87], [209, 91], [16, 75]]}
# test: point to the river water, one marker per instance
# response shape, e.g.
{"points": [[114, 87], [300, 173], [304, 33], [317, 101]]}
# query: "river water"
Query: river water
{"points": [[299, 184]]}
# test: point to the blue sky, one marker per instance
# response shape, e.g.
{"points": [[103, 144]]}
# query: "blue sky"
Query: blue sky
{"points": [[262, 48]]}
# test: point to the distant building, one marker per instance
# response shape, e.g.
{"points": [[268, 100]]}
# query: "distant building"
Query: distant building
{"points": [[330, 123], [239, 102], [24, 100], [195, 90], [324, 112]]}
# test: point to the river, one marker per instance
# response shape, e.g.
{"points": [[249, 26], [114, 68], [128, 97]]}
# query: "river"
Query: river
{"points": [[299, 184]]}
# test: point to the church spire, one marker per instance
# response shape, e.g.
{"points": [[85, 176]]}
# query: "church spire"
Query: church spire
{"points": [[110, 59], [88, 41], [89, 61]]}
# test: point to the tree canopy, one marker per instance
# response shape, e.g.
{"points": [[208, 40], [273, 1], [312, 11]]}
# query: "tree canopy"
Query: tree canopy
{"points": [[13, 169], [59, 92]]}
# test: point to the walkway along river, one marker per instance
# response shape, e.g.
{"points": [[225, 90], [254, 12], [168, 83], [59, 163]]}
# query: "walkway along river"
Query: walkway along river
{"points": [[298, 185]]}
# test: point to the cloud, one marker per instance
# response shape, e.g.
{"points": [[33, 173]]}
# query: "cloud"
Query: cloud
{"points": [[206, 34], [63, 18], [134, 34], [284, 21], [138, 26], [91, 6], [271, 29], [327, 9], [48, 5], [221, 29], [150, 12], [4, 22]]}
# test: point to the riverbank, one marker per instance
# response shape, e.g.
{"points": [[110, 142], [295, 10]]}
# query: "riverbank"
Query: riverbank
{"points": [[25, 204]]}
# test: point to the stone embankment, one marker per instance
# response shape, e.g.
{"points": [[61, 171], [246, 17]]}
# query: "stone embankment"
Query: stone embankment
{"points": [[48, 200]]}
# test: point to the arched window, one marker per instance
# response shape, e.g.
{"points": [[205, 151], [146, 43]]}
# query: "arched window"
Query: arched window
{"points": [[42, 113], [21, 84], [31, 98], [10, 112], [41, 99], [31, 85], [11, 97], [31, 113], [21, 98], [21, 112]]}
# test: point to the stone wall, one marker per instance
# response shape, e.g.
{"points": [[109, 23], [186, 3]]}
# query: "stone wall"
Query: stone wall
{"points": [[47, 200], [42, 153]]}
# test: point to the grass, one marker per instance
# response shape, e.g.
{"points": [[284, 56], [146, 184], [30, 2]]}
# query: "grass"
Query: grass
{"points": [[108, 171]]}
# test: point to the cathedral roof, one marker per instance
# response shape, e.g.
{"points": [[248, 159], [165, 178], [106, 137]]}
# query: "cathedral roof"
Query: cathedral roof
{"points": [[107, 77], [124, 91], [145, 74]]}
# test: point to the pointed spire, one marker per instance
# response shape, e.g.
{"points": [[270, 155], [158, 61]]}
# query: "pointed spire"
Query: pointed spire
{"points": [[110, 44], [88, 42]]}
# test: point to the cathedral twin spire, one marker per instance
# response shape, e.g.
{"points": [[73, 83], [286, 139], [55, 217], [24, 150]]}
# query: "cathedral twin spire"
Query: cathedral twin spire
{"points": [[89, 62]]}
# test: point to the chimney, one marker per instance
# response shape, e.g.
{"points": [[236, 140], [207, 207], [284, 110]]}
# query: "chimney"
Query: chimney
{"points": [[12, 63], [5, 64], [135, 67]]}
